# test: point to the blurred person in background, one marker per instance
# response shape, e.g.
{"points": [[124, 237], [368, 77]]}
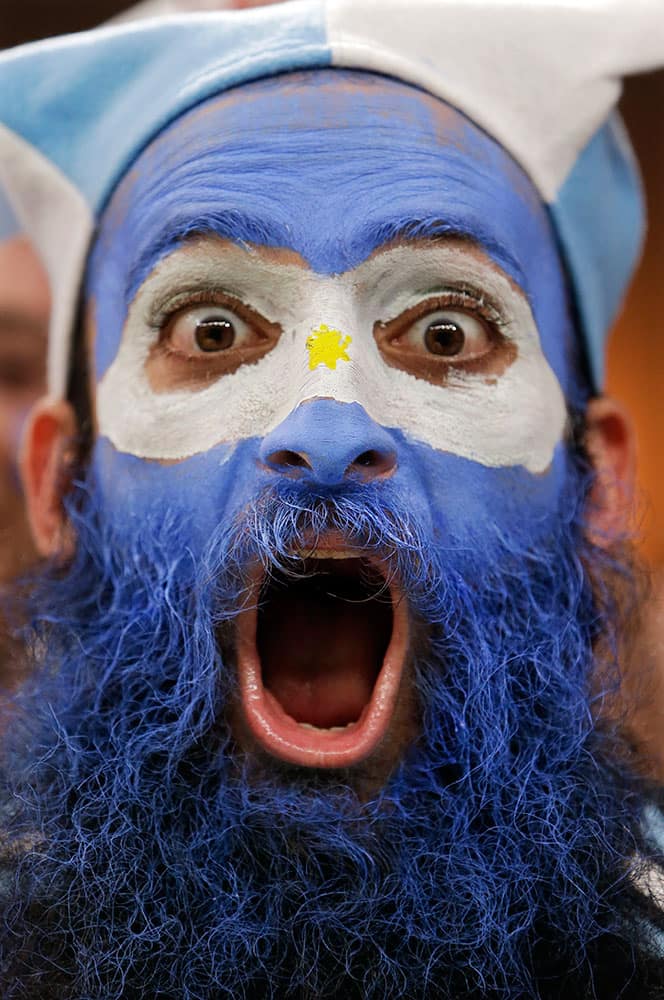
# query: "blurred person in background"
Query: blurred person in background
{"points": [[24, 316]]}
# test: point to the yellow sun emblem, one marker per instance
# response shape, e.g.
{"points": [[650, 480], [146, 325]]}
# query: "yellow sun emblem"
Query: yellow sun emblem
{"points": [[327, 346]]}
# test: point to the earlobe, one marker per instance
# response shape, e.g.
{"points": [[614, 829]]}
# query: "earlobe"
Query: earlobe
{"points": [[611, 445], [46, 467]]}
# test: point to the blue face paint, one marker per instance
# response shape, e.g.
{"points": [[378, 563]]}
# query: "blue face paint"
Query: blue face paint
{"points": [[332, 166]]}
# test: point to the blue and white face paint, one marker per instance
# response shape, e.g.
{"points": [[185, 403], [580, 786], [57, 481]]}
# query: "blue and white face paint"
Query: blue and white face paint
{"points": [[359, 337], [331, 278]]}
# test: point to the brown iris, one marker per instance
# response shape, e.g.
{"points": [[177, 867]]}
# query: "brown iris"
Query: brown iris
{"points": [[214, 334], [445, 338]]}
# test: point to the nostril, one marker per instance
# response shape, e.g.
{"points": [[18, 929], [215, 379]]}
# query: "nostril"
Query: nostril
{"points": [[372, 463], [287, 459]]}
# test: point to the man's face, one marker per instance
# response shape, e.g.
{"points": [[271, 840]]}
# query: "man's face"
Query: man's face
{"points": [[24, 312], [312, 717], [319, 284]]}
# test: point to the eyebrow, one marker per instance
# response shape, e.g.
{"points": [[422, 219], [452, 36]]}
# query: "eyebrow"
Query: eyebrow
{"points": [[437, 229], [245, 229], [237, 226]]}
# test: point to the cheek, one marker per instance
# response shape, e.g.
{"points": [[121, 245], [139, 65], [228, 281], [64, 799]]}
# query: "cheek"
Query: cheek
{"points": [[471, 504], [195, 496]]}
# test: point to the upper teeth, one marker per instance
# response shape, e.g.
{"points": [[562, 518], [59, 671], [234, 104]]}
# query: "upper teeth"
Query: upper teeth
{"points": [[325, 553]]}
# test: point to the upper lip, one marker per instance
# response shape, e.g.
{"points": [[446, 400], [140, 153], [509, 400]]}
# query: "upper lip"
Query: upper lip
{"points": [[277, 731]]}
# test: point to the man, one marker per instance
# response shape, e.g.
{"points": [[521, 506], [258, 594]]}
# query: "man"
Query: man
{"points": [[24, 309], [328, 649]]}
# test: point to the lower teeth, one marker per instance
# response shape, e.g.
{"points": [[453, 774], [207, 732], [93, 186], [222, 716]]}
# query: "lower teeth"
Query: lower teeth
{"points": [[329, 729]]}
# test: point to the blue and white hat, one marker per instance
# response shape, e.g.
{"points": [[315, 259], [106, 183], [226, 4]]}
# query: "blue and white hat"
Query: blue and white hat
{"points": [[542, 77]]}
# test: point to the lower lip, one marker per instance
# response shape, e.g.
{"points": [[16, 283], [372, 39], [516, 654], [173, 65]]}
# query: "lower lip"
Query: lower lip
{"points": [[288, 740]]}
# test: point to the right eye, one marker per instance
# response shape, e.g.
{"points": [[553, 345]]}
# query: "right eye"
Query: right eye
{"points": [[207, 330], [201, 340]]}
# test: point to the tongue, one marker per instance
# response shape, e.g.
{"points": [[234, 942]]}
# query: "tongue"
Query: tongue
{"points": [[321, 654]]}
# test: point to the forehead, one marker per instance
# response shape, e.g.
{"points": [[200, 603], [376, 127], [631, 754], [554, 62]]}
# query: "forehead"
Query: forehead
{"points": [[333, 166]]}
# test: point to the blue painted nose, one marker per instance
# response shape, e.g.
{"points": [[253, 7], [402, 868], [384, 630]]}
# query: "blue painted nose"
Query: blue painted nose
{"points": [[328, 442]]}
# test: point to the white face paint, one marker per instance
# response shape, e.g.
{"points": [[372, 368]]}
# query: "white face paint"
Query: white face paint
{"points": [[514, 417]]}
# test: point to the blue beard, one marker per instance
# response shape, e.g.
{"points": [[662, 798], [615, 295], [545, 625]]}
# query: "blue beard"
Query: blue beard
{"points": [[149, 863]]}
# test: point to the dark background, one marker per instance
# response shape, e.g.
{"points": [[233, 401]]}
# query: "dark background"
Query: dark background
{"points": [[24, 21], [636, 355]]}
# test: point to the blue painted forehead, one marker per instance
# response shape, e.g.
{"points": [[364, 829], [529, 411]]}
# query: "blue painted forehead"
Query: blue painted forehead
{"points": [[332, 165], [278, 159]]}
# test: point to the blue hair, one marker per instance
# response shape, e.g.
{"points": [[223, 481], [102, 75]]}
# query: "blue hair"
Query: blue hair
{"points": [[148, 856]]}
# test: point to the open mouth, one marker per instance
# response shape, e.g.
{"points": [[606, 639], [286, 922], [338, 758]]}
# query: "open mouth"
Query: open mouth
{"points": [[320, 658]]}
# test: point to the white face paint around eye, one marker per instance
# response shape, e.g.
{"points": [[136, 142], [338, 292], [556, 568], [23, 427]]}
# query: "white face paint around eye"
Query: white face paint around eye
{"points": [[327, 348]]}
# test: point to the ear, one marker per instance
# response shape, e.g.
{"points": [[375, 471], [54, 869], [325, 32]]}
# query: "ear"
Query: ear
{"points": [[611, 445], [47, 457]]}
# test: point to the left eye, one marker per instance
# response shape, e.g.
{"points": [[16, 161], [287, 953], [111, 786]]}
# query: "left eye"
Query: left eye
{"points": [[207, 330], [447, 333]]}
